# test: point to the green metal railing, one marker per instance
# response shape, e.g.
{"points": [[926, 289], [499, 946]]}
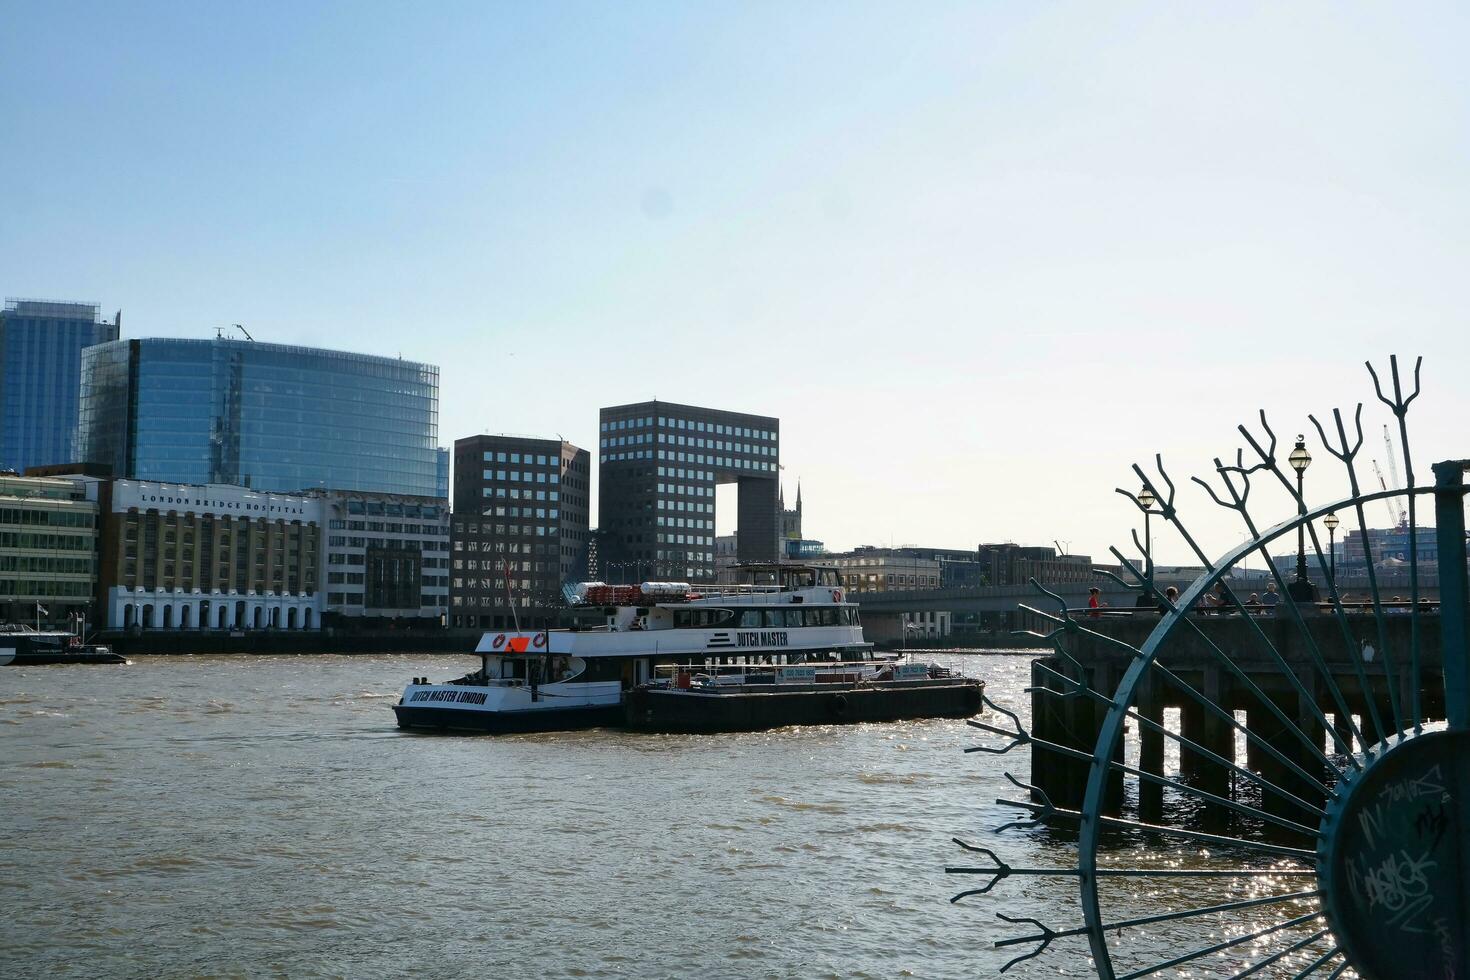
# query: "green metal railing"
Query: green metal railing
{"points": [[1349, 781]]}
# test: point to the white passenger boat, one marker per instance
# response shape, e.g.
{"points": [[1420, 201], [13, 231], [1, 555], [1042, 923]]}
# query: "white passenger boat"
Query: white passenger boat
{"points": [[785, 614]]}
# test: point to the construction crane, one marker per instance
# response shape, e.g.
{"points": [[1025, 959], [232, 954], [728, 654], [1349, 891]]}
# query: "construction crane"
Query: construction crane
{"points": [[219, 332], [1395, 512], [1393, 472]]}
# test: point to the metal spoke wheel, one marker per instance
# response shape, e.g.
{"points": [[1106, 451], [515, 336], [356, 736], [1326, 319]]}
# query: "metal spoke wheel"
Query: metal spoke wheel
{"points": [[1263, 788]]}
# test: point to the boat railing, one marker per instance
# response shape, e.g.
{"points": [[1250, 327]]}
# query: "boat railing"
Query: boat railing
{"points": [[686, 676], [734, 589]]}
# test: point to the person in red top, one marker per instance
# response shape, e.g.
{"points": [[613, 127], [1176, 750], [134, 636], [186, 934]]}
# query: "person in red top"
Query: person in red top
{"points": [[1093, 602]]}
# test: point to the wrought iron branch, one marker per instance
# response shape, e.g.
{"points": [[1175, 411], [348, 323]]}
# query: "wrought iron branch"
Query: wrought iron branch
{"points": [[1237, 497], [1000, 871], [1268, 455], [1043, 939], [1040, 812], [1399, 405], [1071, 686], [1344, 454], [1165, 501], [1167, 510], [1018, 736]]}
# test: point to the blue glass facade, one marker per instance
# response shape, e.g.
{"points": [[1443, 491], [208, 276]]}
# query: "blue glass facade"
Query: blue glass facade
{"points": [[267, 416], [40, 368]]}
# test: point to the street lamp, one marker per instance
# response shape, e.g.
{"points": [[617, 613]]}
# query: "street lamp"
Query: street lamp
{"points": [[1300, 459], [1331, 522], [1146, 501]]}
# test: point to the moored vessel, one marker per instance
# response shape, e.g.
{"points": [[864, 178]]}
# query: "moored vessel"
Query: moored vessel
{"points": [[751, 698], [789, 626], [22, 646]]}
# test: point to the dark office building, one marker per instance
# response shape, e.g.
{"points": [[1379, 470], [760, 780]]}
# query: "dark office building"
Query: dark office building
{"points": [[40, 366], [519, 530], [659, 464]]}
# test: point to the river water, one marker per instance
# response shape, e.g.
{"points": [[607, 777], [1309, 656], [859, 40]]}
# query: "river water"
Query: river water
{"points": [[208, 816]]}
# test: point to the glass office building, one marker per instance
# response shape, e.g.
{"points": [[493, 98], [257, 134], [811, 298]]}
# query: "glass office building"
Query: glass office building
{"points": [[40, 363], [266, 416]]}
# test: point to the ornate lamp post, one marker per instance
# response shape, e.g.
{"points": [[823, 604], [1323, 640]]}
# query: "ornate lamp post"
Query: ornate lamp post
{"points": [[1300, 459], [1331, 522], [1146, 500]]}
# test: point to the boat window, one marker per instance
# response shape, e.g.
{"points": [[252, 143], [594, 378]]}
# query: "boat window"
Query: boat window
{"points": [[826, 617], [774, 618], [750, 618], [795, 618]]}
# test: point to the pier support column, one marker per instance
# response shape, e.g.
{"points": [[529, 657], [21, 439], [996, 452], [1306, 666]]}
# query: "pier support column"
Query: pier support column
{"points": [[1210, 732], [1150, 750], [1306, 720], [1342, 725], [1105, 681], [1064, 721]]}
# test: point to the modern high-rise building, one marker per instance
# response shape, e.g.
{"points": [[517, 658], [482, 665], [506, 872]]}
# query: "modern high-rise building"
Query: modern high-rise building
{"points": [[519, 529], [40, 363], [269, 417], [659, 464]]}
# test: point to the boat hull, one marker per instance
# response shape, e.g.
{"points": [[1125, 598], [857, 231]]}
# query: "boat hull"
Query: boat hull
{"points": [[438, 719], [40, 657], [683, 711]]}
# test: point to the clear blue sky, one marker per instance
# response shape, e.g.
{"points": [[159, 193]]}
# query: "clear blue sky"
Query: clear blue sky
{"points": [[978, 258]]}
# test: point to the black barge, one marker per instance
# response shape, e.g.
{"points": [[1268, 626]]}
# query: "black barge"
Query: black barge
{"points": [[758, 701]]}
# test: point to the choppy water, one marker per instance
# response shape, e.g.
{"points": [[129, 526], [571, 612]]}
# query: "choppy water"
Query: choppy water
{"points": [[262, 815]]}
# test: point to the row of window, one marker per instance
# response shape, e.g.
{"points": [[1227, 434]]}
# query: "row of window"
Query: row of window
{"points": [[766, 618], [502, 512], [343, 541], [41, 541], [516, 493], [685, 505], [493, 584], [530, 459], [379, 508], [384, 527], [42, 588], [355, 599], [686, 490], [520, 476], [725, 461], [46, 564], [38, 517], [693, 442], [716, 428], [537, 531]]}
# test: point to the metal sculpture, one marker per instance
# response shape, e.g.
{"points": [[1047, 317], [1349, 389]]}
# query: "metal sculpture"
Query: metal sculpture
{"points": [[1342, 840]]}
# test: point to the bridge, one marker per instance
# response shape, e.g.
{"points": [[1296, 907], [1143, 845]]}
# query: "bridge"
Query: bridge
{"points": [[986, 608], [981, 599]]}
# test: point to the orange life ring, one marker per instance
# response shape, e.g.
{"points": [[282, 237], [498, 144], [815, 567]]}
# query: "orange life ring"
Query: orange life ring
{"points": [[836, 595], [539, 640], [499, 641]]}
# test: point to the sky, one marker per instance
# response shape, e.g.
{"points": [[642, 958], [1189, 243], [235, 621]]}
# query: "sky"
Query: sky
{"points": [[978, 258]]}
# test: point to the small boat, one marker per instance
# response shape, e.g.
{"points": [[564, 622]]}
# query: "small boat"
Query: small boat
{"points": [[659, 638], [22, 646]]}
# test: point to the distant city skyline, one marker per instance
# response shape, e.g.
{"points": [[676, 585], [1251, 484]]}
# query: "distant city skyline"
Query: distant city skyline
{"points": [[1016, 247]]}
